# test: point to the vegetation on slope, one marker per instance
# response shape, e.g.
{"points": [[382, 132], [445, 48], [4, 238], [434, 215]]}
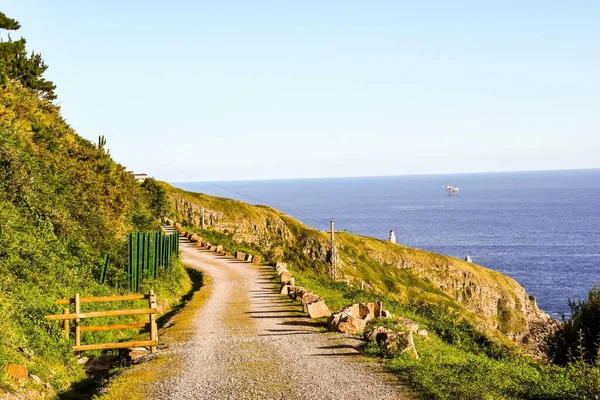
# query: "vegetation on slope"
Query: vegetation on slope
{"points": [[486, 298], [456, 359], [64, 205]]}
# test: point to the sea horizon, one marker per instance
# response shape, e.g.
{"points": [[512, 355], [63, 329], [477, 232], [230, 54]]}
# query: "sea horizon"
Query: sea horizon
{"points": [[540, 227]]}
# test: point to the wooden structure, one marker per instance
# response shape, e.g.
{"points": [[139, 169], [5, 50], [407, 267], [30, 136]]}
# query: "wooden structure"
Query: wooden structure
{"points": [[77, 315]]}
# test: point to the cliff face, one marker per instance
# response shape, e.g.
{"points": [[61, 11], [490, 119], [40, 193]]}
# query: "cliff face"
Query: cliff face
{"points": [[486, 297]]}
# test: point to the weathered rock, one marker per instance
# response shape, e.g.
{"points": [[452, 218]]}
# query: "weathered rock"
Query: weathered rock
{"points": [[17, 374], [350, 324], [133, 354], [249, 257], [199, 244], [227, 254], [178, 226], [386, 314], [36, 379], [422, 333], [279, 265], [333, 321], [100, 366], [407, 325], [282, 270], [285, 278], [372, 334], [215, 248], [307, 299], [256, 259], [194, 238], [285, 289], [212, 248], [240, 256], [296, 292], [397, 342], [367, 310], [318, 309], [219, 249]]}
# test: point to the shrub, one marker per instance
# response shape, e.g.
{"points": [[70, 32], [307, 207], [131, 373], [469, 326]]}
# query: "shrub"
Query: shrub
{"points": [[578, 339]]}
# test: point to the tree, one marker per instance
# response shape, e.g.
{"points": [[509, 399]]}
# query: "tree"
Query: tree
{"points": [[16, 64], [159, 199], [578, 339]]}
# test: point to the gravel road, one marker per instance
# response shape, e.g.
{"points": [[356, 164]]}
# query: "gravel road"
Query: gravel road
{"points": [[250, 342]]}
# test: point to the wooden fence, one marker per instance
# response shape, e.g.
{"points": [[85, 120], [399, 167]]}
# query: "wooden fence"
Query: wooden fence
{"points": [[67, 316]]}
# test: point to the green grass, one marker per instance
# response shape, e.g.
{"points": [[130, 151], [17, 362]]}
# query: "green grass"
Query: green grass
{"points": [[456, 360]]}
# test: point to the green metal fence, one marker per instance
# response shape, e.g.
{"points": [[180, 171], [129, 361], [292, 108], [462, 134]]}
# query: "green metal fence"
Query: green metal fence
{"points": [[149, 251]]}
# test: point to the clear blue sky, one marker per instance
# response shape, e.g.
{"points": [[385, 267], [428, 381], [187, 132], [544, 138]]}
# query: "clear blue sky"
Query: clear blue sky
{"points": [[220, 90]]}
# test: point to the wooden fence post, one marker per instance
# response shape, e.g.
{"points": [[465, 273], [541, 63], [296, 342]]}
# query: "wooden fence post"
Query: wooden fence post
{"points": [[153, 328], [66, 323], [77, 322]]}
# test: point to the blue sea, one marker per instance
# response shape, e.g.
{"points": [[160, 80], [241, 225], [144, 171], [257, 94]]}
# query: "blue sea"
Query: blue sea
{"points": [[541, 228]]}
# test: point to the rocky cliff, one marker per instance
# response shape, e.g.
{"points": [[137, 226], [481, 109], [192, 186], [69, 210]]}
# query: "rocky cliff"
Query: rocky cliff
{"points": [[487, 298]]}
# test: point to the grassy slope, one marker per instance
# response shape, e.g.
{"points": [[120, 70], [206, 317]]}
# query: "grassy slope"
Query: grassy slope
{"points": [[64, 204], [485, 297], [456, 360]]}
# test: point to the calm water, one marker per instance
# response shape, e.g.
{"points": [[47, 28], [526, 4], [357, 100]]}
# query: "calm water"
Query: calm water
{"points": [[541, 228]]}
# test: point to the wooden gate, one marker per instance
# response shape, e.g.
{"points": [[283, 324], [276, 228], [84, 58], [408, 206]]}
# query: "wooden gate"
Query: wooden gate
{"points": [[67, 316]]}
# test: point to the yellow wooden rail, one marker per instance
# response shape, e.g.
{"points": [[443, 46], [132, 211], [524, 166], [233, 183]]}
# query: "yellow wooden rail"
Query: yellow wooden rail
{"points": [[66, 316]]}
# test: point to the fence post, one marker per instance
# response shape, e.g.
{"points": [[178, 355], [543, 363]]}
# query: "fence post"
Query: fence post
{"points": [[104, 267], [77, 322], [66, 323], [153, 328], [130, 266]]}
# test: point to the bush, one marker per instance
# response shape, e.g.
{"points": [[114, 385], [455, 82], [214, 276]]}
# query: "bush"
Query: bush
{"points": [[578, 339]]}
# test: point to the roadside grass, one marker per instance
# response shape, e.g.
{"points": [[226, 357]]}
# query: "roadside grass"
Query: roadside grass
{"points": [[456, 360]]}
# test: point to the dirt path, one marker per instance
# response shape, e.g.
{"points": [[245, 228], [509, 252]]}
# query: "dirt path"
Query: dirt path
{"points": [[249, 342]]}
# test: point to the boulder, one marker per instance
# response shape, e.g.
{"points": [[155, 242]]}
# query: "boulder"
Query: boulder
{"points": [[386, 314], [307, 299], [286, 278], [367, 311], [296, 291], [219, 249], [249, 257], [256, 259], [211, 248], [240, 256], [300, 293], [178, 226], [333, 321], [199, 244], [422, 333], [215, 248], [318, 309], [17, 374], [227, 254], [285, 289], [279, 265], [194, 238], [351, 324], [397, 342], [133, 354], [407, 325], [282, 270], [372, 334]]}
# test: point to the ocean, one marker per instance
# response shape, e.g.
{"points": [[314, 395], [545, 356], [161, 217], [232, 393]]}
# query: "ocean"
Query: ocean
{"points": [[540, 228]]}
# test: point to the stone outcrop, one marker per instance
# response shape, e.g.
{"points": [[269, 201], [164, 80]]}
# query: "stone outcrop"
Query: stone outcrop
{"points": [[392, 342], [352, 319], [494, 299]]}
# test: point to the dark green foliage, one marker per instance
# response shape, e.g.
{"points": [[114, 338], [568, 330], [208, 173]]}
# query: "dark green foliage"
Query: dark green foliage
{"points": [[16, 64], [158, 198], [578, 339], [64, 205]]}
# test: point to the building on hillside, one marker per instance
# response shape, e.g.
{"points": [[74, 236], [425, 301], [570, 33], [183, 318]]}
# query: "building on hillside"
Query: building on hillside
{"points": [[139, 177]]}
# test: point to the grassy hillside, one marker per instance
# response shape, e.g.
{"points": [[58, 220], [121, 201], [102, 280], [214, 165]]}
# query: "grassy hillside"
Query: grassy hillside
{"points": [[461, 357], [64, 204], [488, 299]]}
